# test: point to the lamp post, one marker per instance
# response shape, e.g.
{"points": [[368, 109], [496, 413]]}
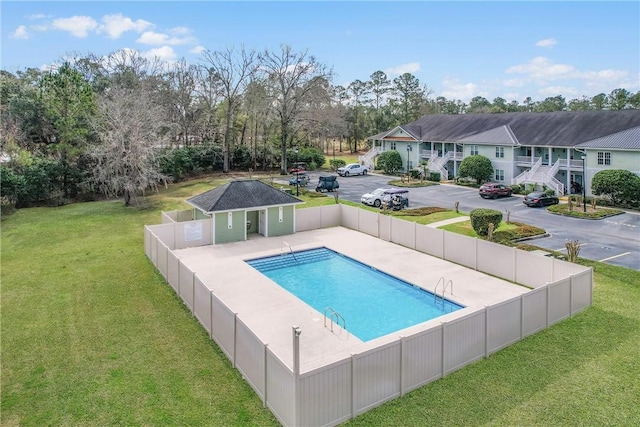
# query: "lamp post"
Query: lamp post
{"points": [[408, 151], [295, 150], [584, 184]]}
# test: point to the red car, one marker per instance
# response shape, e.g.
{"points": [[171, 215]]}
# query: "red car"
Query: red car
{"points": [[298, 167], [492, 190]]}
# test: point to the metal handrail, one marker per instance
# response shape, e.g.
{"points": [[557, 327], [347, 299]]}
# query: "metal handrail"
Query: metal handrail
{"points": [[334, 315]]}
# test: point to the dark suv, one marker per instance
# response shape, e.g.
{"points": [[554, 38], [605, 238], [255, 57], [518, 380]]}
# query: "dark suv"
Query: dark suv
{"points": [[491, 190]]}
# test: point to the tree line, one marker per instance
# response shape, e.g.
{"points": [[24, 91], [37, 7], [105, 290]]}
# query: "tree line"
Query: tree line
{"points": [[123, 124]]}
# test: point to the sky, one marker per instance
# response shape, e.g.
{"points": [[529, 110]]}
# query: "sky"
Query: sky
{"points": [[459, 50]]}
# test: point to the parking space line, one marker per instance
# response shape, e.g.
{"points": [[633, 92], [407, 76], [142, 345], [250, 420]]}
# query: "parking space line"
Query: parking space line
{"points": [[460, 192], [615, 256]]}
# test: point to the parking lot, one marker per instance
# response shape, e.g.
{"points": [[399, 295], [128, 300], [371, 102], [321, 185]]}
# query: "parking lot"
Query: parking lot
{"points": [[614, 240]]}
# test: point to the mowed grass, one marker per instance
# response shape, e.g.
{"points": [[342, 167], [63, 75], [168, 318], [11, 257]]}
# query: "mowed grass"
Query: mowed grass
{"points": [[92, 335]]}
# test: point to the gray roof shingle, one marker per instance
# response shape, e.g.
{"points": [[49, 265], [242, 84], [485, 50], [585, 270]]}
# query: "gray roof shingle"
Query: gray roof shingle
{"points": [[500, 135], [557, 129], [241, 194]]}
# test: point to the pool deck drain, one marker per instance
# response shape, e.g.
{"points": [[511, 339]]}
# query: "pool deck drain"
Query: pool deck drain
{"points": [[270, 311]]}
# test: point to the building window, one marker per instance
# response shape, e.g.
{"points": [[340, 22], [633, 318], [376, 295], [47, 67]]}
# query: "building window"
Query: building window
{"points": [[604, 157], [474, 150], [499, 175], [500, 152], [393, 145]]}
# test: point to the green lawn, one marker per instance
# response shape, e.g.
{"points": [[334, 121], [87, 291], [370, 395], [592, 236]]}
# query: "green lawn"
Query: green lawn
{"points": [[92, 335]]}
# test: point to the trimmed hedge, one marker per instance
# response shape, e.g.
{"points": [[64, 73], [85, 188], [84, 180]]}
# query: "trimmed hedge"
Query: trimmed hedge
{"points": [[481, 218]]}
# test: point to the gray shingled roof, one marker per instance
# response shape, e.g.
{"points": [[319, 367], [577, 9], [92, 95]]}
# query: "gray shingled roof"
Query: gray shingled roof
{"points": [[500, 135], [557, 129], [626, 140], [241, 194]]}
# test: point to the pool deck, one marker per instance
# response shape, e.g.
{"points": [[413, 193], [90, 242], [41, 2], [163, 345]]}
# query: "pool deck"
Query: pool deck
{"points": [[271, 312]]}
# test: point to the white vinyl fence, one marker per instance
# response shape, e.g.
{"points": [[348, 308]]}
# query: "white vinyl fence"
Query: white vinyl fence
{"points": [[332, 394]]}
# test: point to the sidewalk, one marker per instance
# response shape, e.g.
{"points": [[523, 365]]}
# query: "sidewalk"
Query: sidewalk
{"points": [[448, 221]]}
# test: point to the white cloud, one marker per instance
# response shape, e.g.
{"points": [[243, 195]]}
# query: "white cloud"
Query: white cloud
{"points": [[197, 49], [454, 89], [412, 67], [164, 53], [541, 68], [20, 33], [180, 31], [157, 39], [37, 16], [78, 26], [115, 25], [568, 92], [541, 73], [546, 43]]}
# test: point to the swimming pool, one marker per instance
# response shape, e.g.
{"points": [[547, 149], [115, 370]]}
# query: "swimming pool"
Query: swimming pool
{"points": [[372, 303]]}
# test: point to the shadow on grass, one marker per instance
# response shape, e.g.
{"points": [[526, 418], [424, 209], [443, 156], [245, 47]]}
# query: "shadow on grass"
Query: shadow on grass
{"points": [[481, 393]]}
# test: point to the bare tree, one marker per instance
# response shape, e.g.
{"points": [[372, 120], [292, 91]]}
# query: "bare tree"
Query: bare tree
{"points": [[259, 121], [233, 70], [292, 77], [129, 128], [181, 83]]}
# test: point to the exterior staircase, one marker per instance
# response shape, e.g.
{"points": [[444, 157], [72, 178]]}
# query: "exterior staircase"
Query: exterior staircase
{"points": [[368, 159], [436, 163], [541, 175]]}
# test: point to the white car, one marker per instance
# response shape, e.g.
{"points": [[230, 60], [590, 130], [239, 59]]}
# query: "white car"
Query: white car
{"points": [[374, 198], [353, 169]]}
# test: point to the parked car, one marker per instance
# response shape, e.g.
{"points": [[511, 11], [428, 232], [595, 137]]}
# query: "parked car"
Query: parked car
{"points": [[539, 198], [379, 196], [492, 190], [353, 169], [301, 179], [327, 183], [374, 198], [298, 167]]}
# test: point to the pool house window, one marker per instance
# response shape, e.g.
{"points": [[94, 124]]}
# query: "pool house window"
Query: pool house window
{"points": [[604, 157]]}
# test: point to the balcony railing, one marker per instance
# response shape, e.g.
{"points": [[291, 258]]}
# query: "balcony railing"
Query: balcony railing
{"points": [[527, 160]]}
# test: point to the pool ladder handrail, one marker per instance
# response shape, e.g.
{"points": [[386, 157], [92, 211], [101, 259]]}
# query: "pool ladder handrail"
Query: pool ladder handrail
{"points": [[334, 315], [290, 250], [444, 289]]}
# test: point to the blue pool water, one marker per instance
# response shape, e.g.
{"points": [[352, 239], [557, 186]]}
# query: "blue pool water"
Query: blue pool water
{"points": [[372, 303]]}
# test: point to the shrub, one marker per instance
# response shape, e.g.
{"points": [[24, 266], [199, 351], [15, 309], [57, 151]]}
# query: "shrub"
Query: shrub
{"points": [[481, 218], [13, 185], [390, 162], [549, 192], [434, 176], [621, 186], [337, 163], [415, 173], [517, 189]]}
